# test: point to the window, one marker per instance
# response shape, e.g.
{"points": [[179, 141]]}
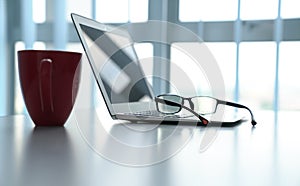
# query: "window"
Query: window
{"points": [[203, 10], [252, 62], [122, 11], [257, 73], [225, 54], [290, 9], [138, 10], [39, 11], [79, 7], [289, 75], [257, 9], [187, 76]]}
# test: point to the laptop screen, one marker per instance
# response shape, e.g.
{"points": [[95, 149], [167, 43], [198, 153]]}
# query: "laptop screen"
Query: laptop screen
{"points": [[115, 64]]}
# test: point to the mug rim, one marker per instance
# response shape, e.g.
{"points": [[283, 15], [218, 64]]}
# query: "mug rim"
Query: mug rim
{"points": [[51, 51]]}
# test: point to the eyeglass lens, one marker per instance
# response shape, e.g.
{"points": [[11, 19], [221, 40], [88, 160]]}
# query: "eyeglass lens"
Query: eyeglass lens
{"points": [[204, 105], [167, 108]]}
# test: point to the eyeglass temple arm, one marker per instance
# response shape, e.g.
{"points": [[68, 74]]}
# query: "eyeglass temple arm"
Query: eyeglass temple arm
{"points": [[171, 103], [253, 122], [203, 120]]}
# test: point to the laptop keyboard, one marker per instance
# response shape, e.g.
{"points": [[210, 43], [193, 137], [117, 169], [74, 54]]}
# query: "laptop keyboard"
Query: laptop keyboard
{"points": [[149, 113], [155, 113]]}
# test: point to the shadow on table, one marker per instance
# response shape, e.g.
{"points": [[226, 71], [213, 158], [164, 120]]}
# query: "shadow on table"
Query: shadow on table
{"points": [[47, 154]]}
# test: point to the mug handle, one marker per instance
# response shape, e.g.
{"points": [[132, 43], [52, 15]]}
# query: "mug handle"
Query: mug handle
{"points": [[45, 84]]}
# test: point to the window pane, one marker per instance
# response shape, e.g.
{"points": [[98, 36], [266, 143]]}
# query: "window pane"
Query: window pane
{"points": [[289, 75], [257, 74], [189, 10], [186, 75], [225, 54], [112, 11], [138, 10], [39, 46], [39, 11], [212, 10], [290, 8], [82, 7], [122, 11], [258, 9]]}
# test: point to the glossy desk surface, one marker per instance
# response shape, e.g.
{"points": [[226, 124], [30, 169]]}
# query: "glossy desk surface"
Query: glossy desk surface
{"points": [[87, 151]]}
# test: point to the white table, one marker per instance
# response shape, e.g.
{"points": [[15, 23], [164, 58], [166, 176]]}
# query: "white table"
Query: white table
{"points": [[92, 151]]}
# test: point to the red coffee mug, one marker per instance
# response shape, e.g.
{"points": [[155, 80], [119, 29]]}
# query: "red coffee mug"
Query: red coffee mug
{"points": [[49, 82]]}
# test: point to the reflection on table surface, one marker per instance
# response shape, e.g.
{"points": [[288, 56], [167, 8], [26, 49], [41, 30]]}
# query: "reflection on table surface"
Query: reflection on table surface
{"points": [[91, 150]]}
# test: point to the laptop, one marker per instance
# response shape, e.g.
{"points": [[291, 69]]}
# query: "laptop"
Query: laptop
{"points": [[118, 73]]}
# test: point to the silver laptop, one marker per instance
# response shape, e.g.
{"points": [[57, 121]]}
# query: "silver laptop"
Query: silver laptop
{"points": [[121, 80]]}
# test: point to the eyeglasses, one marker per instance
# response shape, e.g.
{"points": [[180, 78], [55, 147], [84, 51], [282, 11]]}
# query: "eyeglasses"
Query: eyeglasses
{"points": [[199, 105]]}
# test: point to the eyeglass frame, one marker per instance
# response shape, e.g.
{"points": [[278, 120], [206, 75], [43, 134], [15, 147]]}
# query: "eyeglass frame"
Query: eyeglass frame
{"points": [[189, 99]]}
